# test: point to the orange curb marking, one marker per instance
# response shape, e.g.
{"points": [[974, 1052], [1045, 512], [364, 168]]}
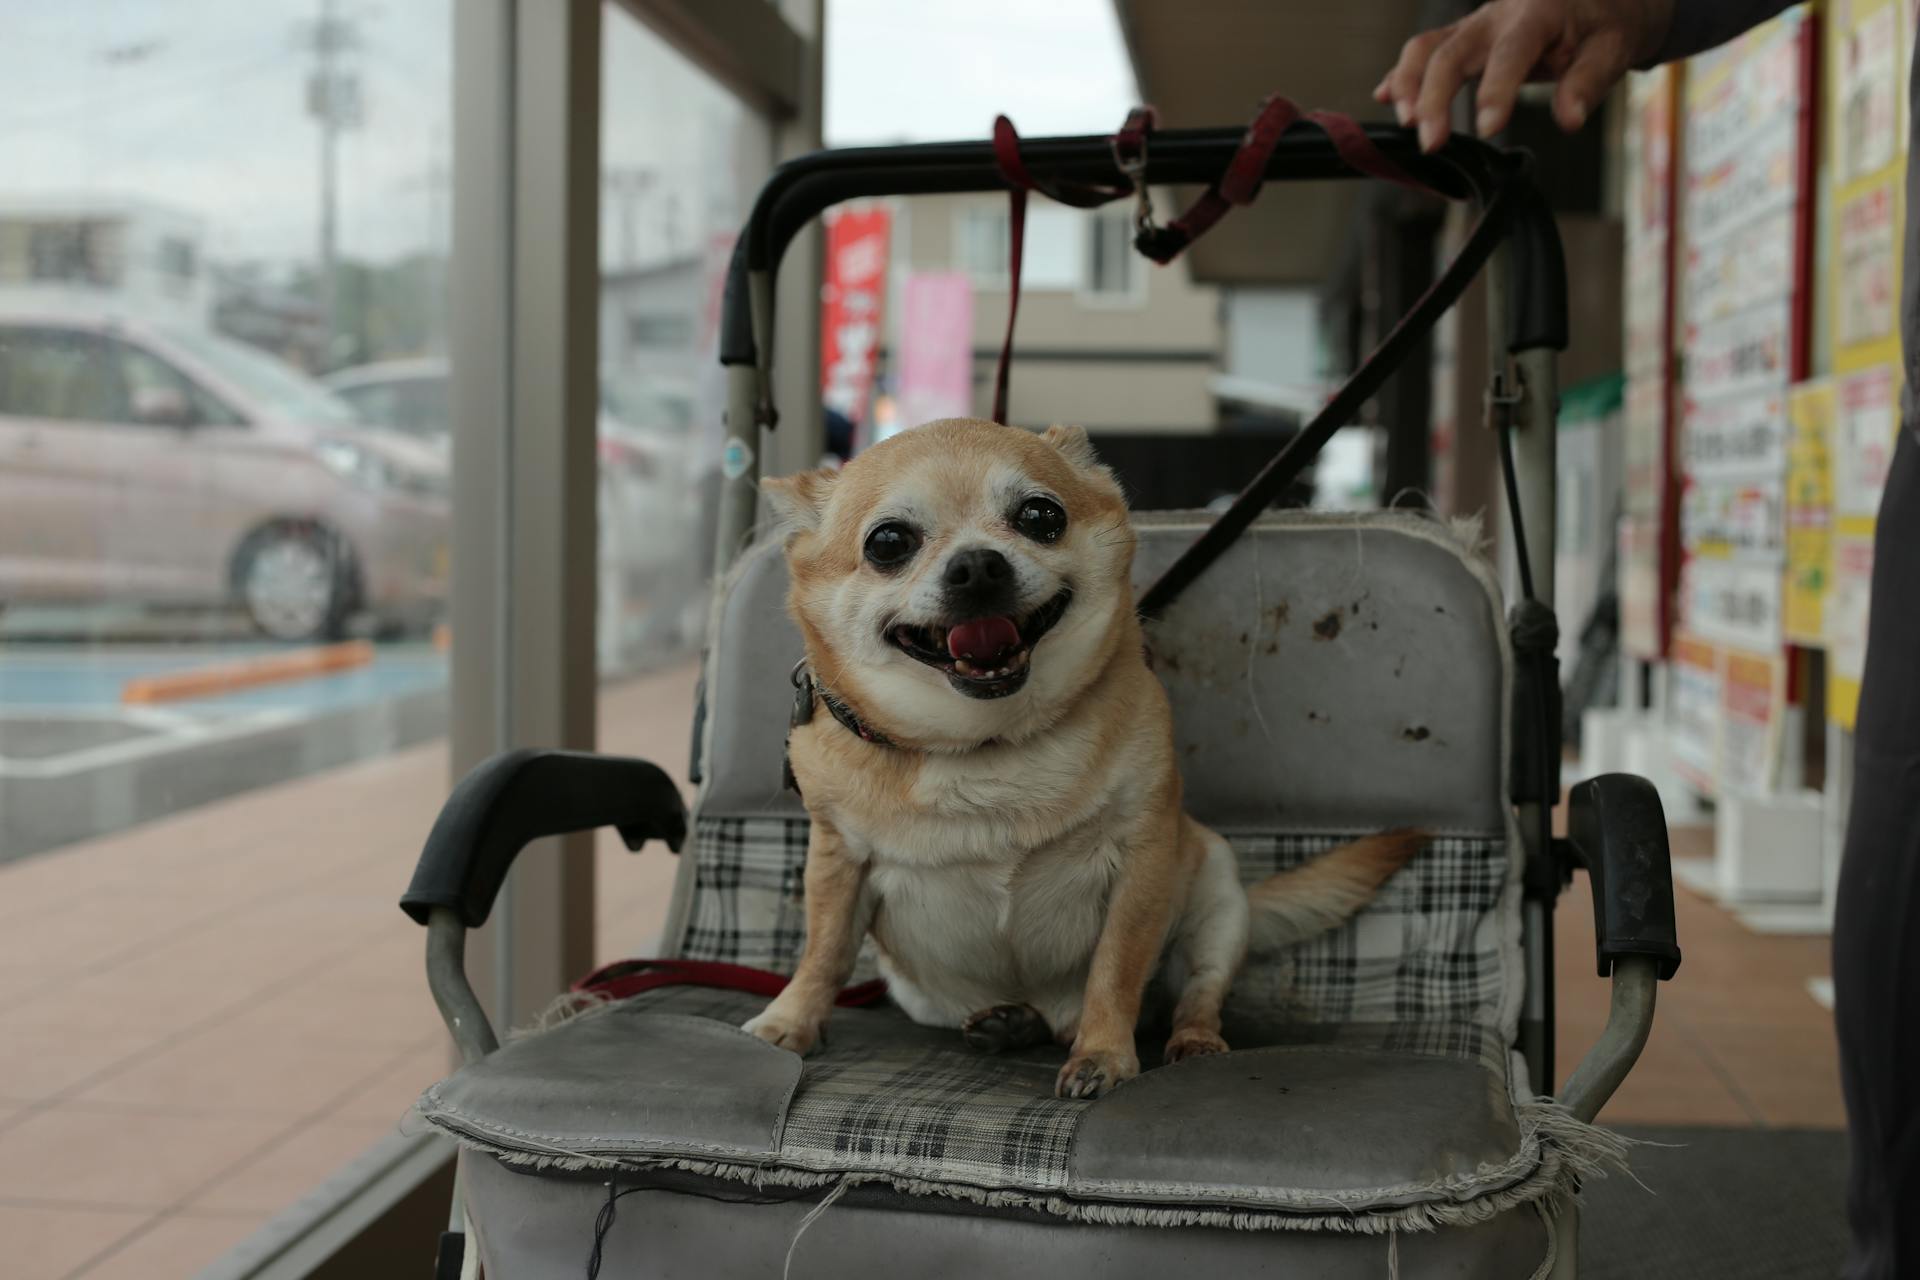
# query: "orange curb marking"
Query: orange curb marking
{"points": [[226, 677]]}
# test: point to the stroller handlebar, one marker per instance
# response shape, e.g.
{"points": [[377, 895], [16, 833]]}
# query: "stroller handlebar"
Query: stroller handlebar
{"points": [[519, 796], [1464, 168]]}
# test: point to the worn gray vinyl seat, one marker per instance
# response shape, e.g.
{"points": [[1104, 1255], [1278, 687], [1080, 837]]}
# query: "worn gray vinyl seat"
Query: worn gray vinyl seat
{"points": [[1330, 676]]}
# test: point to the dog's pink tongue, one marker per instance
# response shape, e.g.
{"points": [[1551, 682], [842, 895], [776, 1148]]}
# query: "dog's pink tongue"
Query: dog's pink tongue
{"points": [[983, 639]]}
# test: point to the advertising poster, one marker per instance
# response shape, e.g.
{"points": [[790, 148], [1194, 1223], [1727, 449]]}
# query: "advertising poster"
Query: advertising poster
{"points": [[1863, 439], [850, 308], [1640, 587], [1736, 436], [1735, 519], [1866, 105], [935, 343], [1752, 714], [1693, 711], [1847, 622], [1643, 537], [1733, 602], [1809, 514], [1739, 269], [1864, 304], [1745, 129]]}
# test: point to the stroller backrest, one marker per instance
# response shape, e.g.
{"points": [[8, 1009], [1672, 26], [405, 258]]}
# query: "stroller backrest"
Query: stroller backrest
{"points": [[1329, 676]]}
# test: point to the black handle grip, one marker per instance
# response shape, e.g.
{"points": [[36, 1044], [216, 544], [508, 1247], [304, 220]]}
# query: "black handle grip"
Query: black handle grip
{"points": [[1618, 831], [520, 796]]}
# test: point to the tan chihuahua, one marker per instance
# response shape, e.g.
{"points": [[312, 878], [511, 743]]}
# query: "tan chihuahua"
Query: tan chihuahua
{"points": [[993, 791]]}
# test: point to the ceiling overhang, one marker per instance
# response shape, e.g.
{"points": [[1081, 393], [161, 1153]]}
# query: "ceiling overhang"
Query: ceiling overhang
{"points": [[1211, 62]]}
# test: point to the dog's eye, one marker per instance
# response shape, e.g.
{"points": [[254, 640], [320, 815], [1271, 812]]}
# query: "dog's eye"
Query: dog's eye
{"points": [[891, 544], [1041, 519]]}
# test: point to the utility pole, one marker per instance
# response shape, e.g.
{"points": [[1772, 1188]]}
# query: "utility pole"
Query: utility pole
{"points": [[333, 100]]}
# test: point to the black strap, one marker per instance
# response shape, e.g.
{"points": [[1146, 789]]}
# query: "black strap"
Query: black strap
{"points": [[1286, 465]]}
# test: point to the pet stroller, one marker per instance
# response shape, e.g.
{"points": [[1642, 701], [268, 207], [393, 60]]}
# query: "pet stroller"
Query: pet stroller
{"points": [[1390, 1107]]}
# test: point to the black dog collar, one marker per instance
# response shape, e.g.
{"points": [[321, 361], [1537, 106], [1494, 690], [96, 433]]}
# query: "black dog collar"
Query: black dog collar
{"points": [[805, 690]]}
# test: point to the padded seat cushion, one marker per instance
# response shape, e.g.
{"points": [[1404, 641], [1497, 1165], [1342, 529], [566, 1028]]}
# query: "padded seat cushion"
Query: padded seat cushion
{"points": [[1361, 1126]]}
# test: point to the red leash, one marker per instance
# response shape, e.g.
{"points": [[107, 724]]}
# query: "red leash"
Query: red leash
{"points": [[1239, 185], [625, 978]]}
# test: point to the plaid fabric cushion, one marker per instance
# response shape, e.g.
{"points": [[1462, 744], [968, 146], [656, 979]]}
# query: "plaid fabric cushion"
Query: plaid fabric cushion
{"points": [[882, 1093], [1428, 950]]}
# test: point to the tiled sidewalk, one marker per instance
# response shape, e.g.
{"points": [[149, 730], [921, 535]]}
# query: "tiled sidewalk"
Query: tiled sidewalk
{"points": [[201, 1018], [1737, 1039]]}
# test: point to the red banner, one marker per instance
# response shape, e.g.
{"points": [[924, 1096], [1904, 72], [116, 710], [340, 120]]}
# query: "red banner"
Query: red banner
{"points": [[850, 308]]}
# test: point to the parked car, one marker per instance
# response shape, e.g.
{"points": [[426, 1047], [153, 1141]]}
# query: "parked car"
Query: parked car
{"points": [[162, 463], [649, 503]]}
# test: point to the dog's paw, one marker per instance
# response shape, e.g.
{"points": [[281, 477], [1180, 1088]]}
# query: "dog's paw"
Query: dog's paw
{"points": [[1098, 1071], [1191, 1042], [783, 1031], [1005, 1026]]}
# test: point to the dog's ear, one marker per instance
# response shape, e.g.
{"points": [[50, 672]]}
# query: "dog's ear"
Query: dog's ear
{"points": [[1073, 445], [800, 499]]}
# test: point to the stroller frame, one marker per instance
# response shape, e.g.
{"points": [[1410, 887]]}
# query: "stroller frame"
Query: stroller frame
{"points": [[1616, 828]]}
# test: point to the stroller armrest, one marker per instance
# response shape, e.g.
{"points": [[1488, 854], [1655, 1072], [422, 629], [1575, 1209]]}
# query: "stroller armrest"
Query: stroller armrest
{"points": [[1617, 830], [520, 796]]}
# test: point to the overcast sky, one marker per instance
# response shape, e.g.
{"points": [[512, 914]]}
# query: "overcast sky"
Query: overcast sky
{"points": [[926, 70], [200, 105]]}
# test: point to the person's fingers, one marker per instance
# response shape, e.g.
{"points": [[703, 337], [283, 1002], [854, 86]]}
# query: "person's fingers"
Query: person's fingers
{"points": [[1517, 49], [1597, 66], [1403, 81], [1462, 55]]}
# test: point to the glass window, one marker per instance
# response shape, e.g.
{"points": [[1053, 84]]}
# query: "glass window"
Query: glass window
{"points": [[1113, 267], [160, 395], [200, 845], [53, 374], [681, 160], [1051, 252], [984, 246], [416, 406]]}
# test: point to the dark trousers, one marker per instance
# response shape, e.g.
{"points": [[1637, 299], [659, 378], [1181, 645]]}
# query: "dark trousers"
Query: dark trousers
{"points": [[1876, 929]]}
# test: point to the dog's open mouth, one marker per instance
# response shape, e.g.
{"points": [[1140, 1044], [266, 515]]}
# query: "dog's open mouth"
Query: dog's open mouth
{"points": [[982, 657]]}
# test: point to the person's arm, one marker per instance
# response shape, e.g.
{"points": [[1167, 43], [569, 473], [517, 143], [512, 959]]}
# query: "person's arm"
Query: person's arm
{"points": [[1700, 25], [1585, 46]]}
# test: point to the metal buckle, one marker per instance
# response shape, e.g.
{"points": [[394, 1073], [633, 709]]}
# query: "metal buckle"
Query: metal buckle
{"points": [[1135, 170]]}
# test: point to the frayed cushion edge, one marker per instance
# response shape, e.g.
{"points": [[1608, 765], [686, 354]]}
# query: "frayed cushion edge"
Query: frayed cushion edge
{"points": [[1570, 1151]]}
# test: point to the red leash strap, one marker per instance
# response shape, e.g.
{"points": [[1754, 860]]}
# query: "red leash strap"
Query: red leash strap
{"points": [[1359, 153], [1248, 169], [1006, 153], [1129, 148], [1239, 185], [625, 978]]}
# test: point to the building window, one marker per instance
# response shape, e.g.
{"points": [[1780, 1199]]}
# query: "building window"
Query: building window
{"points": [[178, 264], [982, 245], [1051, 253], [75, 252], [1113, 270]]}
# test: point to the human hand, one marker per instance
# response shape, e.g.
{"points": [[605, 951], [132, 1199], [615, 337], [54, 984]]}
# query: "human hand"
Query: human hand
{"points": [[1585, 45]]}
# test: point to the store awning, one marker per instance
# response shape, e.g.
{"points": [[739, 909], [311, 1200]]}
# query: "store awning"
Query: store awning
{"points": [[1210, 62]]}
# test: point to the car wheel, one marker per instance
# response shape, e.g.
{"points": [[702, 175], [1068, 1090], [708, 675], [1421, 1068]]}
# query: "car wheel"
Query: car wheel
{"points": [[295, 582]]}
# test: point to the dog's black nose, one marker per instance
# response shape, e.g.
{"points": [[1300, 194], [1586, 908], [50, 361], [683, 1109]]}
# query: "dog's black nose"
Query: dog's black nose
{"points": [[977, 571]]}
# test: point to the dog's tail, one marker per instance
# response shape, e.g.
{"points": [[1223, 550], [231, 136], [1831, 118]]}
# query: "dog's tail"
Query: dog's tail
{"points": [[1307, 900]]}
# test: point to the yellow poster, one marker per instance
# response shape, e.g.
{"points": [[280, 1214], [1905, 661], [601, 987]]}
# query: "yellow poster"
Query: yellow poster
{"points": [[1753, 689], [1809, 513], [1867, 43], [1847, 619]]}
